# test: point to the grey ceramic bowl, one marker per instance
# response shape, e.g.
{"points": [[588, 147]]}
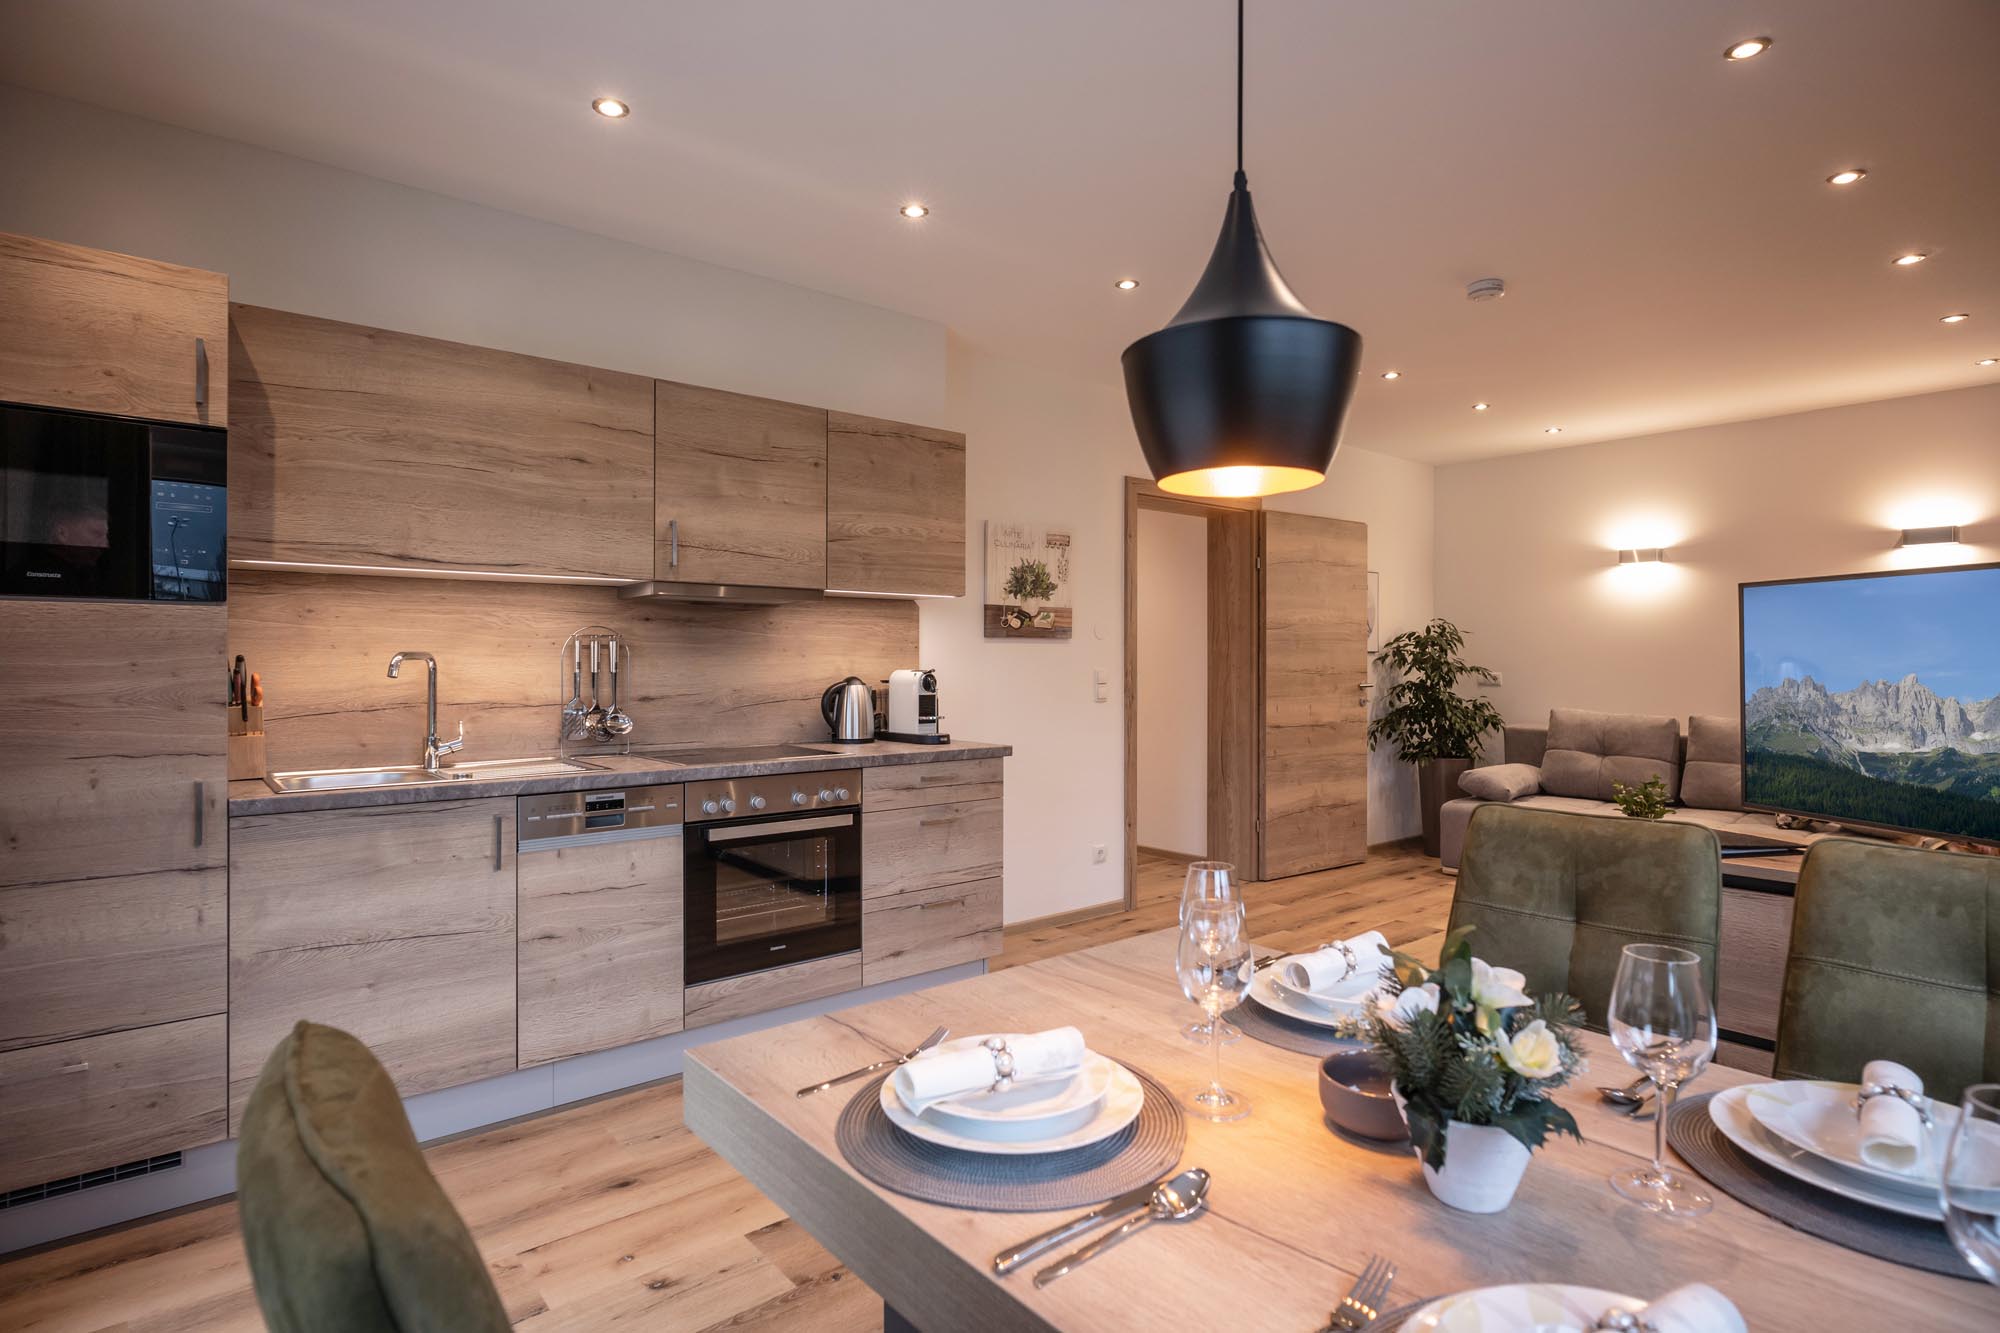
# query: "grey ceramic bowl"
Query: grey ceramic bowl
{"points": [[1354, 1090]]}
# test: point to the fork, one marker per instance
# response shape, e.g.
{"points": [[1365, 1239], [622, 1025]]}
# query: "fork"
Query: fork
{"points": [[866, 1070], [1362, 1304]]}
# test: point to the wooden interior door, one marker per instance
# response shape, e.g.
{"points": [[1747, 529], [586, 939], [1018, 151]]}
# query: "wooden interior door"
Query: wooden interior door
{"points": [[1313, 636]]}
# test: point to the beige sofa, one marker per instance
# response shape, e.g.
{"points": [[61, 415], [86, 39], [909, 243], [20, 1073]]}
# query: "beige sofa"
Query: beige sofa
{"points": [[1579, 755]]}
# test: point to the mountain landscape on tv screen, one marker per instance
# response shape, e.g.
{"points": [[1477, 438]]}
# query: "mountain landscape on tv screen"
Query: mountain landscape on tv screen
{"points": [[1884, 752]]}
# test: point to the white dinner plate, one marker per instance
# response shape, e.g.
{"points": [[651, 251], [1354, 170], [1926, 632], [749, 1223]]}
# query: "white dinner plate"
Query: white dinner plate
{"points": [[1037, 1110], [1265, 990], [1820, 1117], [1731, 1112], [1529, 1307], [1119, 1107], [1327, 1003]]}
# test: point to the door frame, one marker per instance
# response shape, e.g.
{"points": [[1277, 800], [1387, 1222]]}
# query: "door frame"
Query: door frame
{"points": [[1233, 544]]}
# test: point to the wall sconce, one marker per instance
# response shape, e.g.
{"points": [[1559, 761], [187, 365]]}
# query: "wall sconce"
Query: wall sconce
{"points": [[1947, 535], [1645, 555]]}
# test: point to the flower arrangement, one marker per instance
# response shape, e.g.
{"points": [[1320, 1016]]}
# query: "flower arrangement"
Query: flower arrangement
{"points": [[1464, 1043], [1648, 800]]}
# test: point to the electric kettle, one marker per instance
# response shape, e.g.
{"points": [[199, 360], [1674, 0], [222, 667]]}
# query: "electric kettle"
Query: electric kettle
{"points": [[849, 709]]}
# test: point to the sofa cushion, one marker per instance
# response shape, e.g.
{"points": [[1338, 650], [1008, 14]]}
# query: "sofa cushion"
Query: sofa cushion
{"points": [[1588, 751], [1712, 779], [1501, 782]]}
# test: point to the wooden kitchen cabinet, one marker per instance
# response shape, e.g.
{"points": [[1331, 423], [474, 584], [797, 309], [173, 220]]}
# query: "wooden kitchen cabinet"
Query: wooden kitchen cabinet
{"points": [[599, 946], [931, 859], [895, 507], [357, 446], [94, 331], [394, 923], [740, 489]]}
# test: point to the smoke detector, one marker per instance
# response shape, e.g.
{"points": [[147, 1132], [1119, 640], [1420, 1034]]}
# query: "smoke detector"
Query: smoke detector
{"points": [[1486, 289]]}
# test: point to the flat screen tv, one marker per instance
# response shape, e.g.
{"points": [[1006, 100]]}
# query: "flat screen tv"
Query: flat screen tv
{"points": [[1874, 699]]}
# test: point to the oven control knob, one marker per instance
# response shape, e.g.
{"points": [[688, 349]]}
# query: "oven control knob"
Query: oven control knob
{"points": [[840, 793], [728, 806], [709, 807], [798, 798], [756, 803], [826, 793]]}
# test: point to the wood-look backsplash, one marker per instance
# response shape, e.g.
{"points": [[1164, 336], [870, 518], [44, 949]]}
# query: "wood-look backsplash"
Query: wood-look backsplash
{"points": [[700, 674]]}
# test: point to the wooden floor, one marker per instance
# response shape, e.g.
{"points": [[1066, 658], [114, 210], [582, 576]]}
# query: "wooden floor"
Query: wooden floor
{"points": [[610, 1215]]}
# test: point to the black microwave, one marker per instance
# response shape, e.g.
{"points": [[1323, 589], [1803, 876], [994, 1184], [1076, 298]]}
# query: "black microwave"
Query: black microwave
{"points": [[111, 507]]}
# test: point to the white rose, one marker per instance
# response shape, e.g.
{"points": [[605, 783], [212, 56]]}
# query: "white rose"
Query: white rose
{"points": [[1414, 1000], [1533, 1052], [1497, 987]]}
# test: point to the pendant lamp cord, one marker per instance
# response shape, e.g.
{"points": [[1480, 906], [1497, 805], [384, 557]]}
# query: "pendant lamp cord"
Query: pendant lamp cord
{"points": [[1241, 180]]}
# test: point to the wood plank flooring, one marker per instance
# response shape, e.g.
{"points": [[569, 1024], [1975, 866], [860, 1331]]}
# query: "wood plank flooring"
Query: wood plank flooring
{"points": [[610, 1215]]}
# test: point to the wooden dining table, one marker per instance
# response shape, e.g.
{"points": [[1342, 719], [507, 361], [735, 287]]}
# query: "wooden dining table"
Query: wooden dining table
{"points": [[1295, 1209]]}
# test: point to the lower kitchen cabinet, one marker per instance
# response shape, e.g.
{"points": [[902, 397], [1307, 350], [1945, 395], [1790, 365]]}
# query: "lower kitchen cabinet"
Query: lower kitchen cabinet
{"points": [[929, 847], [928, 929], [68, 1107], [394, 923], [931, 860], [600, 946], [774, 988]]}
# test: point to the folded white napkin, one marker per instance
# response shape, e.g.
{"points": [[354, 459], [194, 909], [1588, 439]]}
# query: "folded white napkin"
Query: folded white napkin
{"points": [[939, 1075], [1695, 1308], [1331, 974], [1892, 1133]]}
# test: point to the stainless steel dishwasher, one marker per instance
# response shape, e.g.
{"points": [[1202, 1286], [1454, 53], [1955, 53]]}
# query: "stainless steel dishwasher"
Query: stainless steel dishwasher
{"points": [[583, 818]]}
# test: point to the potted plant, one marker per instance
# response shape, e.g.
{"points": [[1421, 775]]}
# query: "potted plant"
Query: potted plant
{"points": [[1648, 800], [1431, 724], [1472, 1061], [1028, 582]]}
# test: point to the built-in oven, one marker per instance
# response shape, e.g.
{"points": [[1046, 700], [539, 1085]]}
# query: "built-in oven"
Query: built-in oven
{"points": [[97, 506], [772, 872]]}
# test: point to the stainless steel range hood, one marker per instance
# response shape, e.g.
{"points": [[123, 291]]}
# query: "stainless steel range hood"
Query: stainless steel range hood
{"points": [[743, 594]]}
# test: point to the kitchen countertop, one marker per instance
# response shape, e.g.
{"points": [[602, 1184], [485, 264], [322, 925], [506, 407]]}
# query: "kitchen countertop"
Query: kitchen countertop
{"points": [[252, 796]]}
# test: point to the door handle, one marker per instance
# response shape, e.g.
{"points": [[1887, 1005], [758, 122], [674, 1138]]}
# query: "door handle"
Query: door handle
{"points": [[200, 373], [200, 812], [499, 823], [673, 543]]}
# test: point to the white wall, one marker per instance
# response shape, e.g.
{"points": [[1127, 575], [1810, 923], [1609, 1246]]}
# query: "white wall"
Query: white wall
{"points": [[1173, 682], [1525, 545]]}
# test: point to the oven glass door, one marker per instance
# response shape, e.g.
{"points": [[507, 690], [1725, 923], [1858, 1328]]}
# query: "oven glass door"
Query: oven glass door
{"points": [[75, 505], [767, 893]]}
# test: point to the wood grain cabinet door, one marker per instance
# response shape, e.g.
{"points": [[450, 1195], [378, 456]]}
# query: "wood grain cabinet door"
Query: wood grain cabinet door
{"points": [[600, 946], [895, 507], [100, 332], [739, 489], [357, 446], [931, 857], [394, 923]]}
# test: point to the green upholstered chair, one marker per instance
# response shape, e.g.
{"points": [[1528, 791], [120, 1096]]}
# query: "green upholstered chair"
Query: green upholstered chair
{"points": [[1895, 955], [346, 1228], [1558, 896]]}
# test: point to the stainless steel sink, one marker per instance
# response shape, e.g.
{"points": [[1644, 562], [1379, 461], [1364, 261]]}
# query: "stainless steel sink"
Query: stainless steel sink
{"points": [[413, 775]]}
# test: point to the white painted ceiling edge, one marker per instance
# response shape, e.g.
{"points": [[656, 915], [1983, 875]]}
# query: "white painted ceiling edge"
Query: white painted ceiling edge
{"points": [[1674, 256]]}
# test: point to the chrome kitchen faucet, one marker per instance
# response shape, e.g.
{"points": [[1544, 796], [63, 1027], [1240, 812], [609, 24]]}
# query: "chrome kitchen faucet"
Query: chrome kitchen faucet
{"points": [[434, 749]]}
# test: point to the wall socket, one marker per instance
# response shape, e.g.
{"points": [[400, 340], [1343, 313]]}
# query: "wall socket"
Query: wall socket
{"points": [[1097, 854]]}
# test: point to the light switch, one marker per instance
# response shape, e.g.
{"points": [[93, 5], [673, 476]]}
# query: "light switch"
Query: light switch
{"points": [[1100, 688]]}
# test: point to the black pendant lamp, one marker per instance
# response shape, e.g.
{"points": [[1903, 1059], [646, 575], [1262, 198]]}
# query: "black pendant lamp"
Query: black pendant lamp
{"points": [[1243, 393]]}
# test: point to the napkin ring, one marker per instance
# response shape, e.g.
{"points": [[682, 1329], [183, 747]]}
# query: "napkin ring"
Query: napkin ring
{"points": [[1620, 1321], [1916, 1101], [1346, 950], [1003, 1063]]}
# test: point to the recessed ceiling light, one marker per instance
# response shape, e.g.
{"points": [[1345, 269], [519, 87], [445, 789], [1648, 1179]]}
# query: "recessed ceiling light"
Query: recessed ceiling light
{"points": [[611, 108], [1748, 48], [1126, 284], [1959, 318], [915, 211], [1988, 361], [1847, 177], [1392, 374], [1481, 407], [1552, 430], [1912, 258]]}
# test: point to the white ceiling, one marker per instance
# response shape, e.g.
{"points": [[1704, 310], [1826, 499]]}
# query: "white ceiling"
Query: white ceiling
{"points": [[1672, 254]]}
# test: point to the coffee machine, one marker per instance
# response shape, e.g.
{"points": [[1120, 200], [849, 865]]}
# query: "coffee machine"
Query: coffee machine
{"points": [[911, 708]]}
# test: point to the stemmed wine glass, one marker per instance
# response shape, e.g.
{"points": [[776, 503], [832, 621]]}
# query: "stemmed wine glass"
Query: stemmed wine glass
{"points": [[1664, 1025], [1969, 1185], [1208, 882], [1214, 964]]}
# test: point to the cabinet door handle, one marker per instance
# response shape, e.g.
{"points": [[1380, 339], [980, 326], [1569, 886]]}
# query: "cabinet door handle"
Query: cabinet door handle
{"points": [[940, 819], [949, 902], [931, 779], [79, 1067], [200, 373], [499, 827], [200, 812], [673, 543]]}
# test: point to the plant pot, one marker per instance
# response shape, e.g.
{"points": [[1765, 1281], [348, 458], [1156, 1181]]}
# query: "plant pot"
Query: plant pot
{"points": [[1482, 1168], [1437, 782]]}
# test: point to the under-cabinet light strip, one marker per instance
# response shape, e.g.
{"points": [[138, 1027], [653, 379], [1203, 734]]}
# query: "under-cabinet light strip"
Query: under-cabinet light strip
{"points": [[894, 596]]}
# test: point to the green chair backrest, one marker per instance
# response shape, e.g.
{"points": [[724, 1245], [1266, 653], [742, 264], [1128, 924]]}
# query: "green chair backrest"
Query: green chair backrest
{"points": [[1895, 955], [346, 1228], [1557, 896]]}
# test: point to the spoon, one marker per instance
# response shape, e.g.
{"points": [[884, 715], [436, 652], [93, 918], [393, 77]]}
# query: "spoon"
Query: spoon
{"points": [[1175, 1201], [616, 722], [594, 719], [1627, 1096]]}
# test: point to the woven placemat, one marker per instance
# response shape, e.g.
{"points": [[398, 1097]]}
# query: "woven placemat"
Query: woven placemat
{"points": [[1145, 1150], [1276, 1029], [1909, 1241]]}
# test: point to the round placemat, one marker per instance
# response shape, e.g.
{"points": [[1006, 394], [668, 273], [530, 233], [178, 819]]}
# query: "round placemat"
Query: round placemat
{"points": [[1143, 1151], [1909, 1241], [1276, 1029]]}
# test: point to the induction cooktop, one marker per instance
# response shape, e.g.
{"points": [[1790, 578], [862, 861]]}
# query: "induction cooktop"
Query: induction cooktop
{"points": [[733, 754]]}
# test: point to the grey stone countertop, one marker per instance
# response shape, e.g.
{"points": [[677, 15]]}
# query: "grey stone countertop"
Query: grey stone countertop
{"points": [[252, 796]]}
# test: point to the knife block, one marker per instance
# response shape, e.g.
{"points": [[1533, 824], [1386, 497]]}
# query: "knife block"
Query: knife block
{"points": [[246, 742]]}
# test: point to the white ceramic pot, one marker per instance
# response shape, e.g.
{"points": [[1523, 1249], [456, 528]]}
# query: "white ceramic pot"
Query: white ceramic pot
{"points": [[1482, 1167]]}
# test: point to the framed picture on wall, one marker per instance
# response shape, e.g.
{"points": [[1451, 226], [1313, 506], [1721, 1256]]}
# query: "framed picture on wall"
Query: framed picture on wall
{"points": [[1027, 581]]}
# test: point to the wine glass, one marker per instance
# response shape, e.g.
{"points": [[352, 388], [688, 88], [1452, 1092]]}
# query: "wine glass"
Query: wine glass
{"points": [[1214, 964], [1969, 1185], [1663, 1024], [1208, 882]]}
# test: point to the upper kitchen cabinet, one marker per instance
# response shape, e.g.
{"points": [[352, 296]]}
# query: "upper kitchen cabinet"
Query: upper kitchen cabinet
{"points": [[100, 332], [355, 446], [895, 508], [740, 490]]}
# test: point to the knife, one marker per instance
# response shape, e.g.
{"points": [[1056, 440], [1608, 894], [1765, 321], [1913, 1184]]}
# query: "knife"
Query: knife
{"points": [[1129, 1202]]}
